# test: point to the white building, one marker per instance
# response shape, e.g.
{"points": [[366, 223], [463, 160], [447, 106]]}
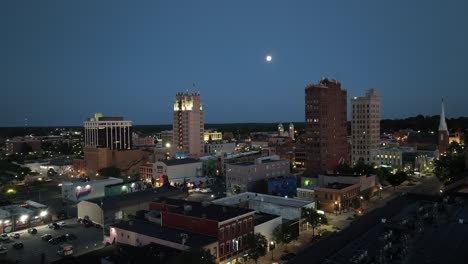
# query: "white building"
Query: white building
{"points": [[287, 208], [177, 168], [291, 131], [219, 147], [365, 126], [108, 132], [115, 208], [77, 191], [188, 124], [391, 156]]}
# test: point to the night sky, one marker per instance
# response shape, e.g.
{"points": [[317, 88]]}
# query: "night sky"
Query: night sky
{"points": [[61, 61]]}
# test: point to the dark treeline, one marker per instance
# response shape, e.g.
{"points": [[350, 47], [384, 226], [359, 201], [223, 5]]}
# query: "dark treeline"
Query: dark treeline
{"points": [[420, 122]]}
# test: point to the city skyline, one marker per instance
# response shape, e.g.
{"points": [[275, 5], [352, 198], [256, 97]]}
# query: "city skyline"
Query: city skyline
{"points": [[66, 61]]}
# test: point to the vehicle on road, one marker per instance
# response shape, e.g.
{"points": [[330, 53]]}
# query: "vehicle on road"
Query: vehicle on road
{"points": [[15, 235], [32, 231], [62, 224], [3, 250], [4, 237], [70, 236], [65, 250], [46, 237], [288, 256], [54, 226], [18, 245]]}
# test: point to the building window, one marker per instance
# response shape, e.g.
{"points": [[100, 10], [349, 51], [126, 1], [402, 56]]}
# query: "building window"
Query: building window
{"points": [[233, 230], [228, 247], [215, 252], [227, 232], [221, 233], [221, 250]]}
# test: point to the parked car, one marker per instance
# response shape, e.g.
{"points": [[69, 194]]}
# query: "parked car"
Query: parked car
{"points": [[4, 237], [287, 256], [3, 250], [32, 231], [18, 245], [15, 235], [70, 236], [61, 224], [46, 237], [54, 226], [57, 240]]}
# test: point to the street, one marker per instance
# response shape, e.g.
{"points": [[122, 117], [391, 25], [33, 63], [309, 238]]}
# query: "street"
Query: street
{"points": [[88, 239]]}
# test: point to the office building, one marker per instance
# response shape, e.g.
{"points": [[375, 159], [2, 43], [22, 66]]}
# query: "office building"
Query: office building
{"points": [[365, 126], [188, 124], [325, 137], [113, 133]]}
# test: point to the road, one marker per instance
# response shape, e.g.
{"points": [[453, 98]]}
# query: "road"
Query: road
{"points": [[88, 239]]}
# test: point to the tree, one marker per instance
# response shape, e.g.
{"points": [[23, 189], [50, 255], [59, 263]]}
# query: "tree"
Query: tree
{"points": [[362, 168], [196, 256], [25, 148], [382, 174], [450, 164], [344, 168], [208, 168], [396, 179], [285, 233], [313, 218], [257, 244]]}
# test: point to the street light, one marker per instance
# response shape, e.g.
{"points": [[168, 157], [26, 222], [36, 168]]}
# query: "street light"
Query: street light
{"points": [[336, 207], [272, 246], [380, 191]]}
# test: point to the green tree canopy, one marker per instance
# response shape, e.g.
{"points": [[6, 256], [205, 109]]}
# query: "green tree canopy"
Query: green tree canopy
{"points": [[285, 233], [257, 244], [398, 178], [313, 218], [196, 256]]}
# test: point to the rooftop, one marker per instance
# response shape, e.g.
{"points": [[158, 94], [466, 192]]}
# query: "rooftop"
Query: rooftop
{"points": [[210, 211], [175, 162], [264, 198], [337, 185], [165, 233], [260, 218], [134, 197]]}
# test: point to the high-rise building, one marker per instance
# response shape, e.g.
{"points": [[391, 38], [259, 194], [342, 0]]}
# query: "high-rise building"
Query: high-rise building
{"points": [[325, 137], [365, 126], [108, 132], [291, 131], [188, 124], [443, 141]]}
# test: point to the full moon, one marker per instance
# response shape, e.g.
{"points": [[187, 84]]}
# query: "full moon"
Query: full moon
{"points": [[268, 58]]}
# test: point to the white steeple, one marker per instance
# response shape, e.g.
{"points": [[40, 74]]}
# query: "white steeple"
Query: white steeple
{"points": [[442, 123]]}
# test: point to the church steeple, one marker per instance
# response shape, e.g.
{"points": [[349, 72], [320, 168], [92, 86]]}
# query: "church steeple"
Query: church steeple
{"points": [[442, 123], [443, 132]]}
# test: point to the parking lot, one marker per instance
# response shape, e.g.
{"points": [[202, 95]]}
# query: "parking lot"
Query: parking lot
{"points": [[88, 239]]}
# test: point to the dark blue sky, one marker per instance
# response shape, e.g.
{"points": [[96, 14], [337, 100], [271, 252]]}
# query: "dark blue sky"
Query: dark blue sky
{"points": [[61, 61]]}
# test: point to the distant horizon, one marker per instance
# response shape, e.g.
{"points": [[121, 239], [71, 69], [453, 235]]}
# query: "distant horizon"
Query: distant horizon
{"points": [[227, 123]]}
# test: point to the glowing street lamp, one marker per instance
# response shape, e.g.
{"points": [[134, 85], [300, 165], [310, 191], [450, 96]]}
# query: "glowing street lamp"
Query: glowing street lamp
{"points": [[43, 213]]}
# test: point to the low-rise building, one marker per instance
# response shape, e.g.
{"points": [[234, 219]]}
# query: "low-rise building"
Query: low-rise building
{"points": [[22, 145], [337, 197], [110, 209], [287, 208], [146, 172], [392, 156], [77, 191], [16, 217], [219, 147], [241, 177], [177, 168], [228, 225]]}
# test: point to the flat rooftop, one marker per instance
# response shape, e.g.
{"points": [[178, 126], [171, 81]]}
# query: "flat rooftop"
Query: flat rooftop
{"points": [[264, 198], [165, 233], [175, 162], [208, 210], [337, 185], [260, 218]]}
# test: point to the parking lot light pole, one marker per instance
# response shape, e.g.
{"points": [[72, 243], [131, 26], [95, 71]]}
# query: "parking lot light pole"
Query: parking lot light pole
{"points": [[272, 246]]}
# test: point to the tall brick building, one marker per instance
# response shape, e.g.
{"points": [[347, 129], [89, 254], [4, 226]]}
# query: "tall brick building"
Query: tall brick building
{"points": [[325, 116]]}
